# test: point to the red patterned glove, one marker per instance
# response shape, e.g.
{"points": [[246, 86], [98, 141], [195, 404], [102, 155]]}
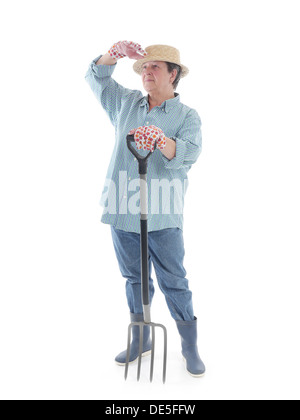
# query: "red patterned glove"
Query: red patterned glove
{"points": [[146, 136], [127, 48]]}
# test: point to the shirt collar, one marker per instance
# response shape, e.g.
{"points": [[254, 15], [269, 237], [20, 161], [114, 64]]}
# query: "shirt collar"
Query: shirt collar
{"points": [[166, 105]]}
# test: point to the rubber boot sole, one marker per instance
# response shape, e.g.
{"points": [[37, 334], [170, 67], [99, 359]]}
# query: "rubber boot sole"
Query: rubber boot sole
{"points": [[194, 375]]}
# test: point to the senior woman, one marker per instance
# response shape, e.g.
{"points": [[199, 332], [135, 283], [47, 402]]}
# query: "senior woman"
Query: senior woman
{"points": [[158, 118]]}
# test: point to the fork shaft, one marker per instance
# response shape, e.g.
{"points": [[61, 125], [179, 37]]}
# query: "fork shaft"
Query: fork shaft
{"points": [[144, 264], [147, 315], [144, 248]]}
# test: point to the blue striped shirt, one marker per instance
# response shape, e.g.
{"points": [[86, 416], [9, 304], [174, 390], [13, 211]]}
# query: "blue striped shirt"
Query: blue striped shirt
{"points": [[166, 179]]}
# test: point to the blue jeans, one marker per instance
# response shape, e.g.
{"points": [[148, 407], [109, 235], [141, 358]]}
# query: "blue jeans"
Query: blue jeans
{"points": [[166, 253]]}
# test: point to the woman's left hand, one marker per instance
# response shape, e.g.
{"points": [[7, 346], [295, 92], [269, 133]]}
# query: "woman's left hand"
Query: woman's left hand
{"points": [[146, 136]]}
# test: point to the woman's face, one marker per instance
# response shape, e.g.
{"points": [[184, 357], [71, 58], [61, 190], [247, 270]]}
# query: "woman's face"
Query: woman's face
{"points": [[155, 76]]}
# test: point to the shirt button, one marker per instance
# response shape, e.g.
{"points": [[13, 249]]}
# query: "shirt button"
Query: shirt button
{"points": [[147, 122], [129, 178]]}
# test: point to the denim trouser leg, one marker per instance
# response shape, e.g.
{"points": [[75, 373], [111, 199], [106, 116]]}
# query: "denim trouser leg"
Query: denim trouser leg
{"points": [[127, 248], [166, 251], [166, 248]]}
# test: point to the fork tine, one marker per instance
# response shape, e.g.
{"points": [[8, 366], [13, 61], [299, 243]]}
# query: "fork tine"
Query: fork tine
{"points": [[152, 352], [165, 353], [141, 326], [128, 350]]}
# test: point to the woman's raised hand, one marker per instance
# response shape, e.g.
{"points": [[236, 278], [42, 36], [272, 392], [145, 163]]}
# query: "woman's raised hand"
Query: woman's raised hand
{"points": [[127, 49]]}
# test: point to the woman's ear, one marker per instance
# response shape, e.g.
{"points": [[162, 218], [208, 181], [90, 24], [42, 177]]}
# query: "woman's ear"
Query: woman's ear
{"points": [[174, 74]]}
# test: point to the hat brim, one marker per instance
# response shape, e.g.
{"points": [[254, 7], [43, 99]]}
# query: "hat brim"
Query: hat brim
{"points": [[138, 65]]}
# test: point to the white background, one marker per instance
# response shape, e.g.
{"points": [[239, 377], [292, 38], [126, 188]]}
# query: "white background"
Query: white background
{"points": [[63, 312]]}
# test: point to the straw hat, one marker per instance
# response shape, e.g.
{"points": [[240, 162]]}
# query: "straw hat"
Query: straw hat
{"points": [[160, 53]]}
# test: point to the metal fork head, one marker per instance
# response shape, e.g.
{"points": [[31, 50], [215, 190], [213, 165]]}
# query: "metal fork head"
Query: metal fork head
{"points": [[141, 326]]}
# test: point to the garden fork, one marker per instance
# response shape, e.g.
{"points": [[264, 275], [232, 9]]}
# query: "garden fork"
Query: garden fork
{"points": [[142, 161]]}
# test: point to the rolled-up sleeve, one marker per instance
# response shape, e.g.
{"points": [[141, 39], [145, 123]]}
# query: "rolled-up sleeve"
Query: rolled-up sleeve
{"points": [[107, 91], [188, 143]]}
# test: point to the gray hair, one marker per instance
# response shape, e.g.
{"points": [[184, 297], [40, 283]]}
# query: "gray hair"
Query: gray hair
{"points": [[171, 67]]}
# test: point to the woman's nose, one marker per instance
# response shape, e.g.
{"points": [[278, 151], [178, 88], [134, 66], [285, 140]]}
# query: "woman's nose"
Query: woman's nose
{"points": [[146, 70]]}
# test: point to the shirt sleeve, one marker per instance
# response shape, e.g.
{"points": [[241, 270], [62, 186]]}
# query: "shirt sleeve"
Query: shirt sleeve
{"points": [[188, 143], [107, 91]]}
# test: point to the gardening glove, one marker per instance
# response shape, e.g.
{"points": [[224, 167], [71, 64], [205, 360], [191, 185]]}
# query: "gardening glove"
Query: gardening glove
{"points": [[146, 136], [127, 48]]}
